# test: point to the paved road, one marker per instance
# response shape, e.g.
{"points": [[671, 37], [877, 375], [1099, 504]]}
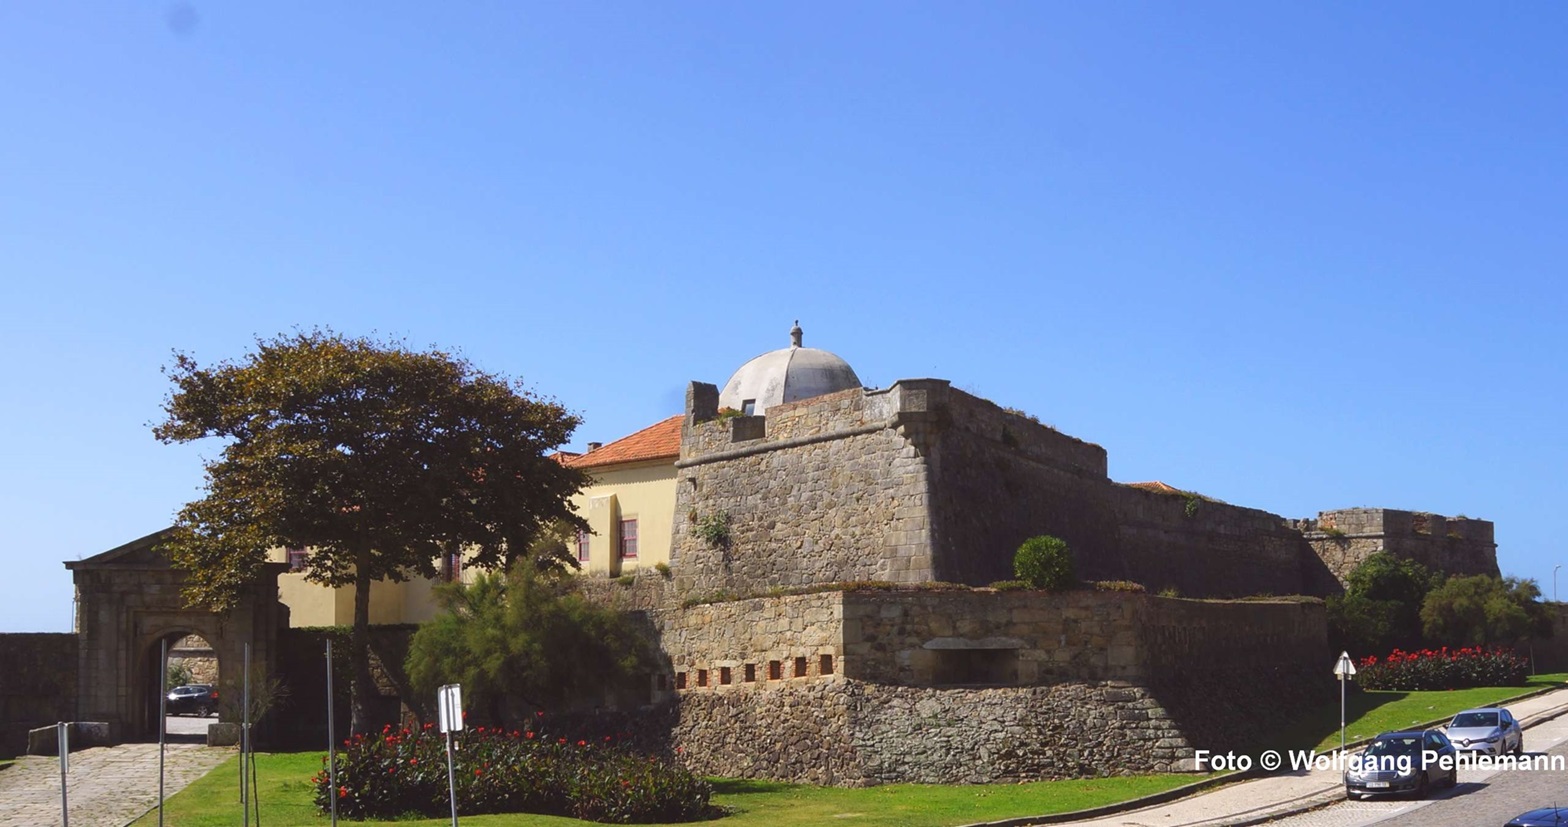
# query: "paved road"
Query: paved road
{"points": [[1482, 798], [108, 786]]}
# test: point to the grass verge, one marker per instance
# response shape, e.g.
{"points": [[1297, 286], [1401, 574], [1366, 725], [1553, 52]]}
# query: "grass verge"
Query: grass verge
{"points": [[1369, 713], [284, 792]]}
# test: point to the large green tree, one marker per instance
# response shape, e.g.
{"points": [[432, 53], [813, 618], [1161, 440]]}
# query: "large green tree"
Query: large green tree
{"points": [[377, 458], [1483, 609], [1381, 606]]}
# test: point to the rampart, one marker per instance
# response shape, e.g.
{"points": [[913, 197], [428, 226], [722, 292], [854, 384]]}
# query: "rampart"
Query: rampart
{"points": [[37, 685], [921, 482], [867, 687], [1457, 545]]}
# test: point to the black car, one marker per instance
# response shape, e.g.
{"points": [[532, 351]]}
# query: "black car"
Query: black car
{"points": [[1544, 817], [199, 699], [1403, 762]]}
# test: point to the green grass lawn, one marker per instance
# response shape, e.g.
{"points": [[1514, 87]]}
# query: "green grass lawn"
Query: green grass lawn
{"points": [[285, 791], [285, 796], [1368, 713]]}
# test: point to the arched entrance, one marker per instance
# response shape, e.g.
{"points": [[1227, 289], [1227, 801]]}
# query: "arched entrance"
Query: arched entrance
{"points": [[185, 685], [128, 603]]}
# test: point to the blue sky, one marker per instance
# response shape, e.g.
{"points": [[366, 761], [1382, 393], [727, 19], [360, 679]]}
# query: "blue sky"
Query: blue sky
{"points": [[1294, 256]]}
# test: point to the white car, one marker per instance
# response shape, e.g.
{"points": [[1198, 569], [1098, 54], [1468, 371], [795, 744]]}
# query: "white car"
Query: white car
{"points": [[1491, 730]]}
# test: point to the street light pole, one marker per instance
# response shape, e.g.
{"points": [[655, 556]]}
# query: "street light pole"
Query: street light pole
{"points": [[1554, 581]]}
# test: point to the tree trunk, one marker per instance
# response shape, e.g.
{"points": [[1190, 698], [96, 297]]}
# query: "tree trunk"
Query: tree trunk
{"points": [[359, 646]]}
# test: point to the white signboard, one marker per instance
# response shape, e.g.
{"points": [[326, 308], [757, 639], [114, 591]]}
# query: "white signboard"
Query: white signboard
{"points": [[1344, 667], [449, 704]]}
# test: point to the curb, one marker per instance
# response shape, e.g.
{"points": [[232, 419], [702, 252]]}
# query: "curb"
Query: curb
{"points": [[1309, 802], [1121, 806]]}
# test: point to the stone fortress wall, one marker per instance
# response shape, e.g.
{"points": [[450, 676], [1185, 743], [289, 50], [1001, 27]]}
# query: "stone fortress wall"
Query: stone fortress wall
{"points": [[1456, 545], [875, 686], [922, 482], [918, 484], [37, 685]]}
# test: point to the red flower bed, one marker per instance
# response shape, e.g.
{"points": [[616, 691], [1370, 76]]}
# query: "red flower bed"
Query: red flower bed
{"points": [[1443, 668], [399, 772]]}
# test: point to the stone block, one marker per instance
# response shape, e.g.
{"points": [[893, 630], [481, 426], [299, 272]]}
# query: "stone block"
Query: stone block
{"points": [[225, 735], [81, 735]]}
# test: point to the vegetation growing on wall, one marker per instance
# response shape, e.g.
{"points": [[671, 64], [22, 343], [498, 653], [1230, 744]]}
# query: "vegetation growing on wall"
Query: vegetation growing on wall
{"points": [[714, 529]]}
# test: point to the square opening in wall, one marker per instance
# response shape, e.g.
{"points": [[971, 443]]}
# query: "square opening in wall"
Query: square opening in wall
{"points": [[975, 667], [750, 673], [702, 677], [775, 670], [825, 665], [680, 680], [724, 676], [800, 667]]}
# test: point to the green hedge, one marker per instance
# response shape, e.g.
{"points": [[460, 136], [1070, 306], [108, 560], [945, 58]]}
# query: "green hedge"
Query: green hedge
{"points": [[399, 772]]}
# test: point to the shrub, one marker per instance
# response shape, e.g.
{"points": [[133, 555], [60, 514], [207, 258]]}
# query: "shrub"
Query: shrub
{"points": [[523, 771], [1045, 562], [1443, 669], [1119, 586], [1009, 585]]}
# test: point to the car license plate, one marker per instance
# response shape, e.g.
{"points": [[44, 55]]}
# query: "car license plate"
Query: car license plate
{"points": [[1377, 785]]}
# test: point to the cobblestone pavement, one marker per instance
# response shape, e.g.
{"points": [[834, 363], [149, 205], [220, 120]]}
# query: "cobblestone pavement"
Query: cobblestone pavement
{"points": [[107, 786]]}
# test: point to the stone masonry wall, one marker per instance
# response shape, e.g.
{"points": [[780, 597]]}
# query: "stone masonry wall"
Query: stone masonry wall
{"points": [[1105, 683], [830, 492], [1205, 548], [37, 685], [1457, 545], [998, 478], [1205, 659]]}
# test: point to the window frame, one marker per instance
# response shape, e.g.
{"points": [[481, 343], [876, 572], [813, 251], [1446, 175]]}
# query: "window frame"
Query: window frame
{"points": [[621, 539]]}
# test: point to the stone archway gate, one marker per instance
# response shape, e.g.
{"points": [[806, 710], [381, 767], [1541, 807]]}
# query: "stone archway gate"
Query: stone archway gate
{"points": [[128, 599]]}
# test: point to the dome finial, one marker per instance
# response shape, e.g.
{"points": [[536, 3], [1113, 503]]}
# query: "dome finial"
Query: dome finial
{"points": [[794, 334]]}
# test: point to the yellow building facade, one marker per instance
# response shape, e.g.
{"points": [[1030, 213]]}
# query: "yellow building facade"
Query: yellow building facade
{"points": [[628, 505]]}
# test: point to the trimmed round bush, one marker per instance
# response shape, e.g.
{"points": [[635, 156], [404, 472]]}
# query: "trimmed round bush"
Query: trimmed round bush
{"points": [[1045, 562]]}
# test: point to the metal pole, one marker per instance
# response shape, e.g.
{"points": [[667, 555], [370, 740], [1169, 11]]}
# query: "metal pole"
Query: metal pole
{"points": [[245, 739], [1554, 582], [1342, 680], [62, 740], [163, 720], [332, 742], [451, 778]]}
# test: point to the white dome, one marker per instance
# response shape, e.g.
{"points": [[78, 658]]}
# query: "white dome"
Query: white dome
{"points": [[786, 375]]}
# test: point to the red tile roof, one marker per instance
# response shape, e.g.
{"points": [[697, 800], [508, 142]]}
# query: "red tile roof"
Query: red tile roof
{"points": [[658, 441], [1157, 487]]}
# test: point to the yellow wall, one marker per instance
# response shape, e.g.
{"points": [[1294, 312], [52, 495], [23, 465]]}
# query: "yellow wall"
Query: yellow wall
{"points": [[644, 491], [312, 604]]}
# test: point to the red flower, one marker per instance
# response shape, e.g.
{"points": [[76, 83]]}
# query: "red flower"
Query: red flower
{"points": [[476, 773], [530, 735], [342, 792], [582, 743], [413, 761]]}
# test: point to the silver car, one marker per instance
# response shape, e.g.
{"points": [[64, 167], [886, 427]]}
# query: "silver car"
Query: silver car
{"points": [[1491, 730]]}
